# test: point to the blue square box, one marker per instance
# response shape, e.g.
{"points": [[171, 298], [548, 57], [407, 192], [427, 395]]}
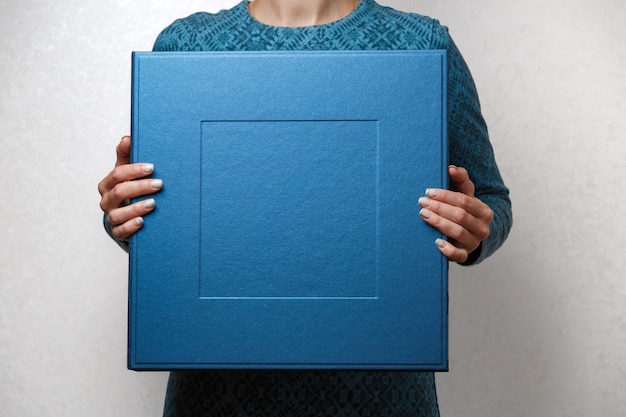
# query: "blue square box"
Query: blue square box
{"points": [[287, 234]]}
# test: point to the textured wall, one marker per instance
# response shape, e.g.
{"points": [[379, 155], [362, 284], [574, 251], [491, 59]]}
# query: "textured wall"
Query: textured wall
{"points": [[538, 329]]}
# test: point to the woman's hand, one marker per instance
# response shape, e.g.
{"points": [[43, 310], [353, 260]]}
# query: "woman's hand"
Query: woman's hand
{"points": [[124, 182], [460, 216]]}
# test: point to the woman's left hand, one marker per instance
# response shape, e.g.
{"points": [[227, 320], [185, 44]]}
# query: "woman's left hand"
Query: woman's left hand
{"points": [[458, 215]]}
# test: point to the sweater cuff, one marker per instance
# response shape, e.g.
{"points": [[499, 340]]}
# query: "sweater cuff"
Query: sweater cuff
{"points": [[474, 256], [122, 243]]}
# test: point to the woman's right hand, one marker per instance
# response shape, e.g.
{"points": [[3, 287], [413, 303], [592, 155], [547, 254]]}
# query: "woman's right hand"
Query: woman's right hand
{"points": [[124, 182]]}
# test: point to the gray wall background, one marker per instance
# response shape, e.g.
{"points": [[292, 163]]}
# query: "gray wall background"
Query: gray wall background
{"points": [[537, 330]]}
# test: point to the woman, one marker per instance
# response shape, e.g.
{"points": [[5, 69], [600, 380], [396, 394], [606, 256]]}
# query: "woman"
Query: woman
{"points": [[475, 215]]}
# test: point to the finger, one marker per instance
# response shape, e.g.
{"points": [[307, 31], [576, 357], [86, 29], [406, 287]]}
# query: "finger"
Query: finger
{"points": [[125, 230], [478, 226], [127, 190], [463, 237], [460, 180], [472, 205], [123, 173], [452, 252], [123, 151], [121, 215]]}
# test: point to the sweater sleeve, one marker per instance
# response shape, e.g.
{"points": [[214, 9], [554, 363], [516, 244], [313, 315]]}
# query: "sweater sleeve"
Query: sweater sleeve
{"points": [[469, 145], [122, 243], [169, 38], [192, 33]]}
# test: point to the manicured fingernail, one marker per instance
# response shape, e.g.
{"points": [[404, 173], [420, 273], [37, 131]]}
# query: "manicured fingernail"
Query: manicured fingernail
{"points": [[424, 201], [148, 168], [149, 203], [156, 183], [431, 192], [440, 243], [138, 221], [425, 213]]}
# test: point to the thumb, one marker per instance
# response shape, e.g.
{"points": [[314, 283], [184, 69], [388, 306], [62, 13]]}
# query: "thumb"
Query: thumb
{"points": [[460, 180], [123, 151]]}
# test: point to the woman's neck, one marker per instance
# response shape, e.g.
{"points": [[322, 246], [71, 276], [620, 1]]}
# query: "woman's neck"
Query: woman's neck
{"points": [[297, 13]]}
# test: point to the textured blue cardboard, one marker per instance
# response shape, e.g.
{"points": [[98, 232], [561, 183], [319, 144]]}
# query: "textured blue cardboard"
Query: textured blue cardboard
{"points": [[287, 234]]}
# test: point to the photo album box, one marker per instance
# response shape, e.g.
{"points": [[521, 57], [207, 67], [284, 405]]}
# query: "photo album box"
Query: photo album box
{"points": [[287, 234]]}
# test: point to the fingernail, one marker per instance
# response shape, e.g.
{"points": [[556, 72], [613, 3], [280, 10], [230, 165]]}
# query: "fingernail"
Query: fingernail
{"points": [[424, 201], [156, 183], [149, 203], [138, 221], [425, 213], [440, 243], [148, 168], [431, 192]]}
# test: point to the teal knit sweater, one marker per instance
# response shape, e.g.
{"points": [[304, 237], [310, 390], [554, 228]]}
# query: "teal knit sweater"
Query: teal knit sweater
{"points": [[370, 26], [329, 393]]}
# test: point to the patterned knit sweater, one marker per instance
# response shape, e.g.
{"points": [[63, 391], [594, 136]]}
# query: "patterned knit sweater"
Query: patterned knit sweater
{"points": [[330, 393]]}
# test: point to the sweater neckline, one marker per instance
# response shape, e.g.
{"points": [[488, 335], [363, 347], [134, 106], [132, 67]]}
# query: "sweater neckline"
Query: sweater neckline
{"points": [[362, 9]]}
